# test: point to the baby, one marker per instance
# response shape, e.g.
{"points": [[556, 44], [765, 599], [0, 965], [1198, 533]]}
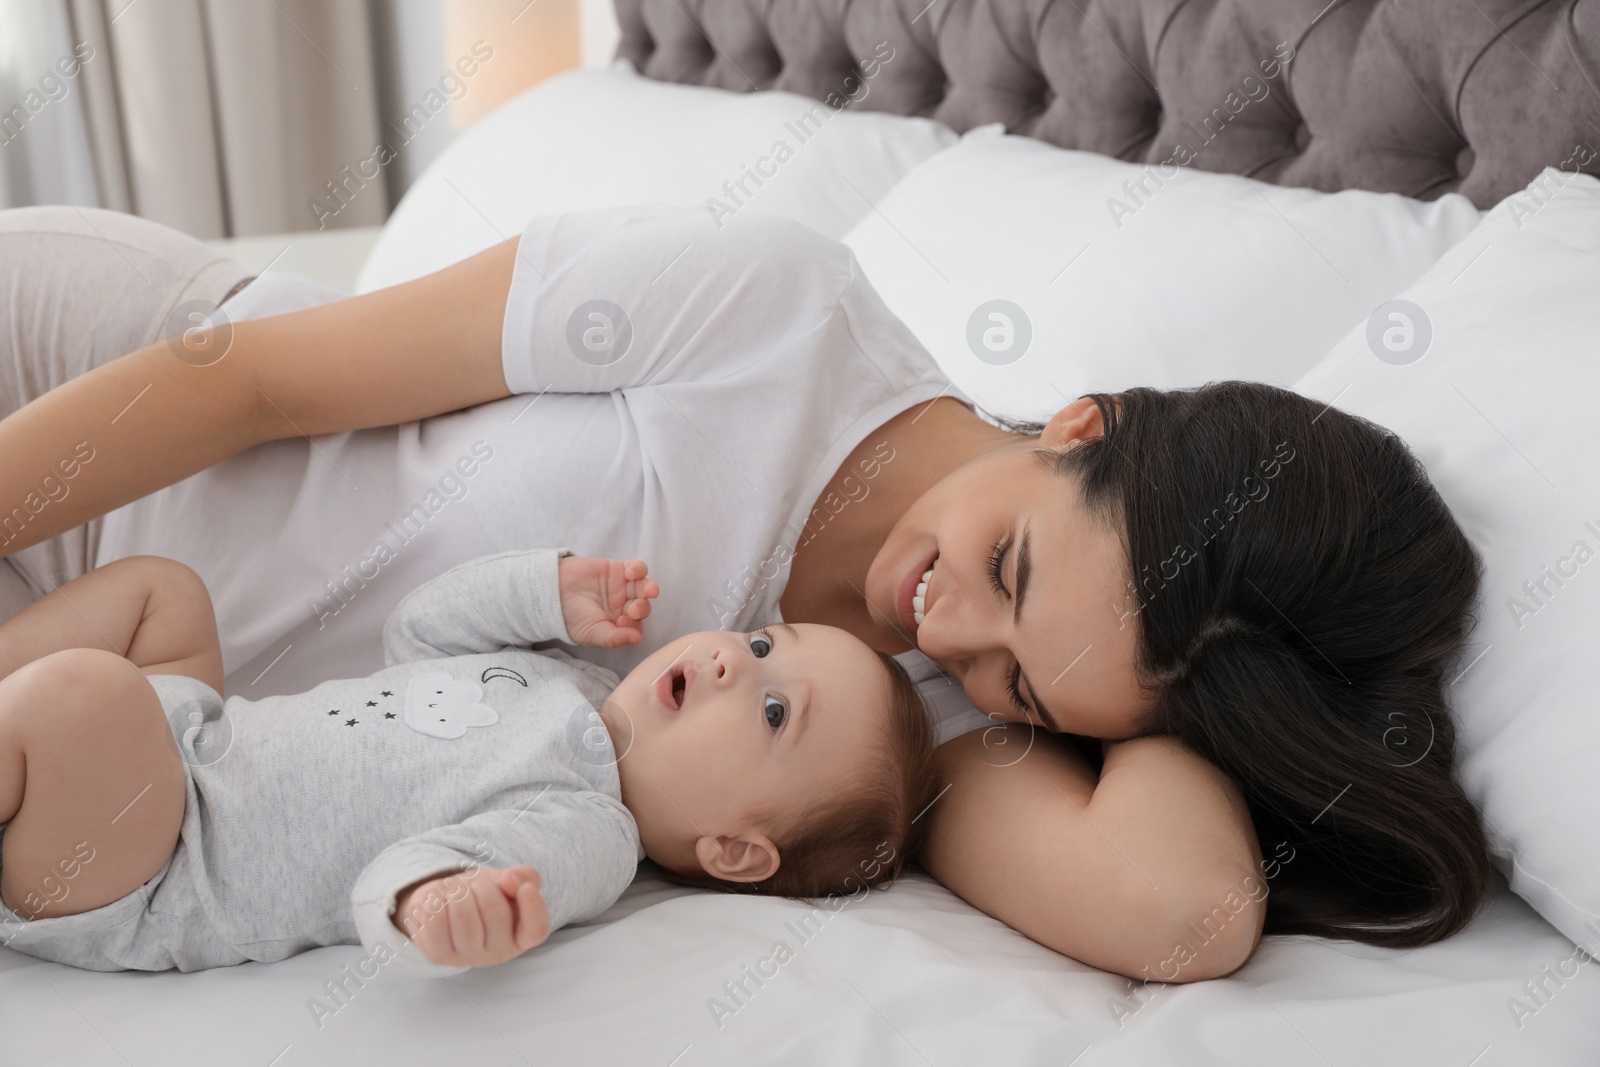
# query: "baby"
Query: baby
{"points": [[452, 809]]}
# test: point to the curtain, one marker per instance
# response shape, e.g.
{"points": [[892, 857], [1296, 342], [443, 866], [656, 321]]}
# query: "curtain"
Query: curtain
{"points": [[44, 153], [217, 117]]}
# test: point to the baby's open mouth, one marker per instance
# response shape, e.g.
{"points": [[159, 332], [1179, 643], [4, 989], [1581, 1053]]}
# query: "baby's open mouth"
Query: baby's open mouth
{"points": [[672, 685]]}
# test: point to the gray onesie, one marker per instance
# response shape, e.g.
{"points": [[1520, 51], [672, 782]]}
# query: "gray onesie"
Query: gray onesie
{"points": [[306, 814]]}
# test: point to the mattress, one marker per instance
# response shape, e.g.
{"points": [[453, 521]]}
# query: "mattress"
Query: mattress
{"points": [[911, 976]]}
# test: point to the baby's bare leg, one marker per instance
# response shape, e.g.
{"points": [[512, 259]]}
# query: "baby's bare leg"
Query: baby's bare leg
{"points": [[91, 783], [155, 612]]}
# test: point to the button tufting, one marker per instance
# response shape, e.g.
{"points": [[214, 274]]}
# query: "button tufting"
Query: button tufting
{"points": [[1464, 161]]}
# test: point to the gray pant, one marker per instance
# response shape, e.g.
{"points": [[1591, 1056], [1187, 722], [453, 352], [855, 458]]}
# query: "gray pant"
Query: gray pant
{"points": [[78, 288]]}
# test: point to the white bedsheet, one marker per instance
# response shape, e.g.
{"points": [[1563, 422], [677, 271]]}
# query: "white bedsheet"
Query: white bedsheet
{"points": [[913, 976]]}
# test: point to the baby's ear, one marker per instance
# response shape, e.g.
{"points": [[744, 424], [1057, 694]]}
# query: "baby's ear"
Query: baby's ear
{"points": [[750, 857]]}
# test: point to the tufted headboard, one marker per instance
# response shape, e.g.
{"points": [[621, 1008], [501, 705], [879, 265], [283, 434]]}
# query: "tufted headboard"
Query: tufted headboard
{"points": [[1420, 97]]}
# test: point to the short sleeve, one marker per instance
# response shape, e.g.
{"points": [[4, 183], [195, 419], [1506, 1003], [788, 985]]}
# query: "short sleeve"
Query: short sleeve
{"points": [[613, 298]]}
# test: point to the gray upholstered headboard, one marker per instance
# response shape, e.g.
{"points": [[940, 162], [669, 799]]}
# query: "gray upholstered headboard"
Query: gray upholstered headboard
{"points": [[1421, 97]]}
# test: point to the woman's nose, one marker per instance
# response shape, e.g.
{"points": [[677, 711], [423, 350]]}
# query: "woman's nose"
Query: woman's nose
{"points": [[950, 635], [954, 656]]}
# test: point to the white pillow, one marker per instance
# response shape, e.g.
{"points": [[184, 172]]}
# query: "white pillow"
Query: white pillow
{"points": [[1201, 276], [1500, 404], [599, 138]]}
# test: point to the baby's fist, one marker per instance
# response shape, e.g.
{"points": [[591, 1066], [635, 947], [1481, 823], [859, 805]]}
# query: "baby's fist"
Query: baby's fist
{"points": [[603, 601], [475, 918]]}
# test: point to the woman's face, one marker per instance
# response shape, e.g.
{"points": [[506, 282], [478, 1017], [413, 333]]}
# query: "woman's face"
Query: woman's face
{"points": [[1029, 603]]}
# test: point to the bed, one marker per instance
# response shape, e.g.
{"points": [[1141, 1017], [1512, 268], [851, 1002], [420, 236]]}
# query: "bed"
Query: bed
{"points": [[1399, 147]]}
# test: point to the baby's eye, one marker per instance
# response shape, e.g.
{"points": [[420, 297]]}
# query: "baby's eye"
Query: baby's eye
{"points": [[776, 711], [760, 645]]}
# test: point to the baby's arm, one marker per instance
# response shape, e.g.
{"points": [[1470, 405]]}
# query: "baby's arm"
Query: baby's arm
{"points": [[518, 598], [156, 612], [582, 845]]}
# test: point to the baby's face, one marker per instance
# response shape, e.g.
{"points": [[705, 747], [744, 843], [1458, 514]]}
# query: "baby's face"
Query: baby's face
{"points": [[717, 725]]}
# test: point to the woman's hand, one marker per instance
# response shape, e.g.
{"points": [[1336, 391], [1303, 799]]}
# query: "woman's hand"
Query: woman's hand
{"points": [[604, 600], [475, 918]]}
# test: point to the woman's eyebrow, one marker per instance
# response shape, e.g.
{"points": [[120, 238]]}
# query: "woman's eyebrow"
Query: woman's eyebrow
{"points": [[1024, 572]]}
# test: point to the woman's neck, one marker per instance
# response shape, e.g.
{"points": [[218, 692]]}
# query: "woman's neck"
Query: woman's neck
{"points": [[882, 477]]}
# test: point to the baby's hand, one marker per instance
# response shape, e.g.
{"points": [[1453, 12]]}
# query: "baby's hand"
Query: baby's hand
{"points": [[475, 918], [604, 600]]}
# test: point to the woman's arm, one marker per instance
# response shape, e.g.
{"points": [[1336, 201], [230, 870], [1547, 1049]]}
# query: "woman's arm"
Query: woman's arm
{"points": [[423, 348], [1153, 872]]}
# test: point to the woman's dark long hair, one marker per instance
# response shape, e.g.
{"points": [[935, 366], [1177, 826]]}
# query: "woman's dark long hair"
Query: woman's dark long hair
{"points": [[1302, 593]]}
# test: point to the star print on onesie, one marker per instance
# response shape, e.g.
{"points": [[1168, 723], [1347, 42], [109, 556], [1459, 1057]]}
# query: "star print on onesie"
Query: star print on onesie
{"points": [[440, 706]]}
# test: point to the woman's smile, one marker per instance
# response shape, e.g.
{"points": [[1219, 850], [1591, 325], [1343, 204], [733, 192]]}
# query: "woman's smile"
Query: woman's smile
{"points": [[919, 602], [910, 612]]}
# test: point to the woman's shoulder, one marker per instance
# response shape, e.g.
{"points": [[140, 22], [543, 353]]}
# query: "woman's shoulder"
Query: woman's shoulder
{"points": [[789, 280], [652, 294], [761, 235], [670, 236], [793, 268]]}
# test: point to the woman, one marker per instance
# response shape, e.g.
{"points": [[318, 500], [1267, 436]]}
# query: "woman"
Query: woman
{"points": [[1231, 578]]}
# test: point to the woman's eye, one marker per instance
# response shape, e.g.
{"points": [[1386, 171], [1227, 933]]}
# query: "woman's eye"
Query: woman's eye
{"points": [[997, 562], [776, 711], [1014, 690], [760, 645]]}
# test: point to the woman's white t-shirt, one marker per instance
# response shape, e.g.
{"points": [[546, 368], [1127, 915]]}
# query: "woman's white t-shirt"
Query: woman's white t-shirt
{"points": [[685, 391]]}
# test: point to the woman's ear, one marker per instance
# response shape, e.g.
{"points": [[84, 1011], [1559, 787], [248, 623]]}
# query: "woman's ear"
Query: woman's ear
{"points": [[1078, 421], [745, 858]]}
